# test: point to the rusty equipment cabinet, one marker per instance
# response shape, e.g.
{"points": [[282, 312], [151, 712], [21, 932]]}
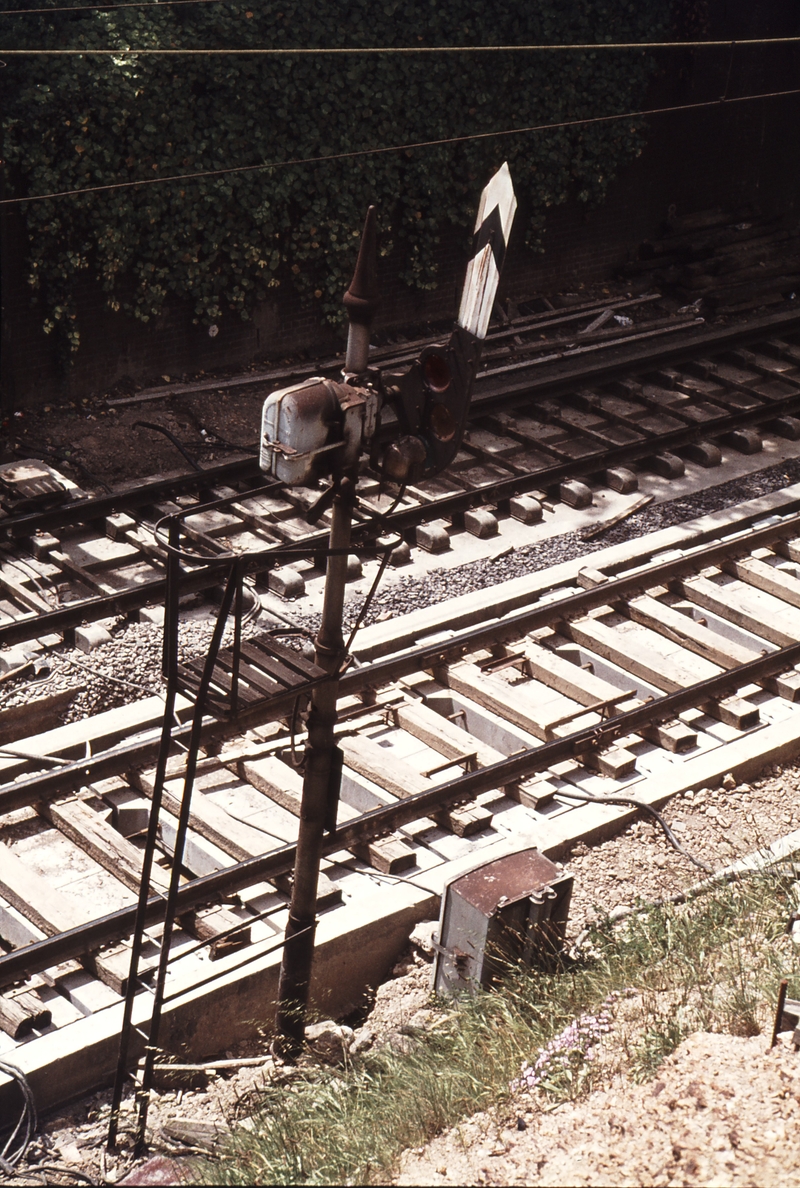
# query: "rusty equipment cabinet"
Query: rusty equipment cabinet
{"points": [[510, 910]]}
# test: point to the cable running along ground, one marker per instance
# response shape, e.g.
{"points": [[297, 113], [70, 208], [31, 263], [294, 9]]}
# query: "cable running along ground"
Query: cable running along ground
{"points": [[645, 808], [24, 1130], [394, 148]]}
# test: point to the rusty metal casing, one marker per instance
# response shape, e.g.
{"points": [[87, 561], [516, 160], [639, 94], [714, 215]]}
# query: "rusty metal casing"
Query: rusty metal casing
{"points": [[314, 428], [506, 911]]}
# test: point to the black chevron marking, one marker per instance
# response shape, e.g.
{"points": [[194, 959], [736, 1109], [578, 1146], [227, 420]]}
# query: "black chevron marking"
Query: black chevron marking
{"points": [[491, 231]]}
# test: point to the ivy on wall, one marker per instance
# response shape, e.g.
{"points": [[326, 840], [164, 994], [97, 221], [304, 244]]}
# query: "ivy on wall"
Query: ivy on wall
{"points": [[226, 243]]}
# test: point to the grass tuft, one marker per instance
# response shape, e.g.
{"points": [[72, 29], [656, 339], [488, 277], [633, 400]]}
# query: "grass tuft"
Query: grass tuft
{"points": [[711, 965]]}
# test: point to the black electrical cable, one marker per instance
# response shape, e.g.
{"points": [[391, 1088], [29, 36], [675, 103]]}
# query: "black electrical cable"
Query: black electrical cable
{"points": [[35, 577], [277, 551], [377, 874], [171, 437], [218, 936], [105, 676], [60, 455], [228, 969], [399, 148], [647, 808], [295, 762], [63, 1170], [30, 686], [26, 1124], [378, 576]]}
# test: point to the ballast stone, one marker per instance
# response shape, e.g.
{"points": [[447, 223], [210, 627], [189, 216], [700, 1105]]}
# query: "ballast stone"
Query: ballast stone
{"points": [[329, 1041], [424, 935], [364, 1040]]}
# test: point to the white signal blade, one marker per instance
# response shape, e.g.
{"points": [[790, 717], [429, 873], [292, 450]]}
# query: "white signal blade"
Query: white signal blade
{"points": [[492, 230], [480, 287], [498, 192]]}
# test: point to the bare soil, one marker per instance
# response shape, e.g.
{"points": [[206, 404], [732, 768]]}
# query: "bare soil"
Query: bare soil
{"points": [[724, 1111], [97, 443]]}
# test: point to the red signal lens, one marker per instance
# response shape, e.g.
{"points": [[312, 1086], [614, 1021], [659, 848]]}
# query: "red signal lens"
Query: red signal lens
{"points": [[442, 423], [436, 373]]}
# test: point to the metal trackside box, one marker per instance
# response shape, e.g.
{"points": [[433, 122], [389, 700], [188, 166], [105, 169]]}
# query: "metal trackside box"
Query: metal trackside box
{"points": [[305, 426], [512, 909], [295, 426]]}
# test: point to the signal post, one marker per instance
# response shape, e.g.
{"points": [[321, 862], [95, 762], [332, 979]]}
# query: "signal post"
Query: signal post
{"points": [[321, 427]]}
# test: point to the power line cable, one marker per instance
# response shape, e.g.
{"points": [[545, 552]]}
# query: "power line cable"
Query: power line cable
{"points": [[395, 148], [330, 51], [112, 7]]}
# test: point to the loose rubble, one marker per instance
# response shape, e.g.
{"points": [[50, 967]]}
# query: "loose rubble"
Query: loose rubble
{"points": [[724, 1110]]}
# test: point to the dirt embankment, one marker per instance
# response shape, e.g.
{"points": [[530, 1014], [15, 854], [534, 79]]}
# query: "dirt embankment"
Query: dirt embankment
{"points": [[723, 1110]]}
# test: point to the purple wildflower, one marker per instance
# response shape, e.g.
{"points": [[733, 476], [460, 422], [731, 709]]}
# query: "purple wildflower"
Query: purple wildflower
{"points": [[572, 1047]]}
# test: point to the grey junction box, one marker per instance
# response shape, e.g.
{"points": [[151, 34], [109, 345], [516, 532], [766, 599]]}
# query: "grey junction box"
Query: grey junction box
{"points": [[512, 909]]}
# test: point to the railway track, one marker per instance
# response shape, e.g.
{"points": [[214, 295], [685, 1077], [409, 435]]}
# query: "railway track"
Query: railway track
{"points": [[469, 727], [581, 428]]}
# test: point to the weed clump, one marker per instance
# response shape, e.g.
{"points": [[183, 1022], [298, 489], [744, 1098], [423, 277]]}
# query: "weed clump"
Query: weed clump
{"points": [[621, 1001]]}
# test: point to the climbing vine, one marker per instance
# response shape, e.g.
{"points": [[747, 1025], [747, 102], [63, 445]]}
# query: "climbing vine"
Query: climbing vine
{"points": [[225, 243]]}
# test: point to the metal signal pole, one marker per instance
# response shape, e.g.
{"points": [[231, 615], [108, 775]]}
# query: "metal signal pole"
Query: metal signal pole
{"points": [[322, 771], [431, 402]]}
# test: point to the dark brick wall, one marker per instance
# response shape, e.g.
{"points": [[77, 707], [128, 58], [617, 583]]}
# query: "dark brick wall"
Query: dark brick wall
{"points": [[728, 155]]}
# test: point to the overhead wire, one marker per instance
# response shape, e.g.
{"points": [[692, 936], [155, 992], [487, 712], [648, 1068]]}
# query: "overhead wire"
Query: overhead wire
{"points": [[112, 7], [395, 148], [371, 50]]}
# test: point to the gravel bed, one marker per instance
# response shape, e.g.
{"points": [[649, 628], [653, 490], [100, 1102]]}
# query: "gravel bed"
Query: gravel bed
{"points": [[715, 825], [412, 593], [122, 671], [129, 667]]}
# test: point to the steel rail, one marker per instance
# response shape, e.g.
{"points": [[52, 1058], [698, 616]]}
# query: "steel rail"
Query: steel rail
{"points": [[96, 507], [563, 374], [45, 786], [404, 520], [212, 888], [549, 476]]}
